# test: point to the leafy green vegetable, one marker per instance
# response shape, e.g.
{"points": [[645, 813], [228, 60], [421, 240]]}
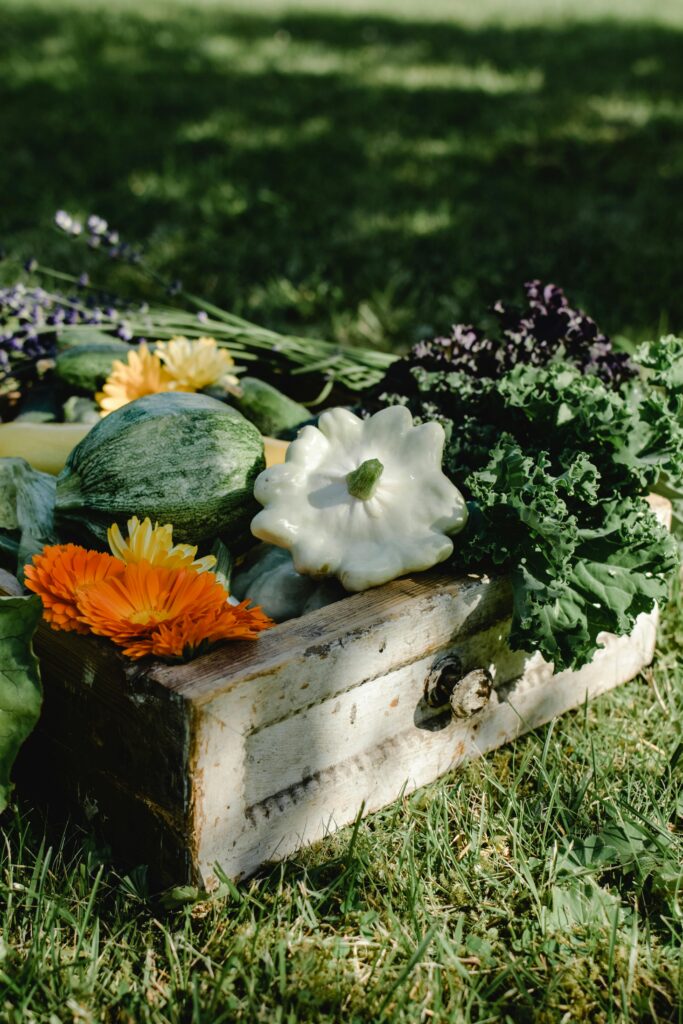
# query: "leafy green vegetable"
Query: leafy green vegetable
{"points": [[555, 464], [20, 689], [662, 411], [578, 567], [27, 501]]}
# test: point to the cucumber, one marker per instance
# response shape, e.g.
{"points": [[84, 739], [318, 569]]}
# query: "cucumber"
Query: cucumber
{"points": [[267, 408], [179, 458], [86, 367], [77, 335]]}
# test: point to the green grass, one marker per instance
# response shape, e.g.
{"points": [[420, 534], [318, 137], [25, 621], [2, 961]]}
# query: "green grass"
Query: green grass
{"points": [[543, 883], [364, 177], [369, 172]]}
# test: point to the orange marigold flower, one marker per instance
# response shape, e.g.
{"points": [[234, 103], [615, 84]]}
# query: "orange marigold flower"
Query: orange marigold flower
{"points": [[151, 609], [60, 574], [183, 637]]}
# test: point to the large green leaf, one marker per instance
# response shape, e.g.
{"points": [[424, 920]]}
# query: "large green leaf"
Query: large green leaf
{"points": [[27, 502], [20, 689]]}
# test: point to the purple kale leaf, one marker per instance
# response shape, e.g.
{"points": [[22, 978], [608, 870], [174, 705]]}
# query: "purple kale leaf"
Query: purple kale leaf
{"points": [[545, 329]]}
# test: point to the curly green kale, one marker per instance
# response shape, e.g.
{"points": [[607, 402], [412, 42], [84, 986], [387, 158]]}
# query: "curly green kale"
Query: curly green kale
{"points": [[579, 566], [555, 464]]}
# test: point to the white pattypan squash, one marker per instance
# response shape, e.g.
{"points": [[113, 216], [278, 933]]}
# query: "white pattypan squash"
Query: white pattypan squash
{"points": [[363, 500]]}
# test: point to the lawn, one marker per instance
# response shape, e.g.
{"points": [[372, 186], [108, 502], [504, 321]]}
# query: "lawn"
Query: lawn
{"points": [[369, 172], [365, 178]]}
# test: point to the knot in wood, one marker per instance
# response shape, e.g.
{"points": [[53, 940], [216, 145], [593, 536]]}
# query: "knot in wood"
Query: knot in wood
{"points": [[442, 678], [471, 694]]}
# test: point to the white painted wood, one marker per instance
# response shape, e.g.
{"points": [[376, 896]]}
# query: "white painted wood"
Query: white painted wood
{"points": [[267, 790], [337, 723]]}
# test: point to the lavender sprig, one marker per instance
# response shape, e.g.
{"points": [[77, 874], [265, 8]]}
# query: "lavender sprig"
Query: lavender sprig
{"points": [[356, 369], [98, 235], [31, 318]]}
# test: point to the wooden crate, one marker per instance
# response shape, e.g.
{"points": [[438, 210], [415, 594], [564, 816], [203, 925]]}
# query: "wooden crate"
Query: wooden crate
{"points": [[248, 753]]}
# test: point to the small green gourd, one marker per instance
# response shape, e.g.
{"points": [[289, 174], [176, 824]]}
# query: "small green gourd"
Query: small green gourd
{"points": [[270, 580], [268, 409], [78, 409], [78, 335]]}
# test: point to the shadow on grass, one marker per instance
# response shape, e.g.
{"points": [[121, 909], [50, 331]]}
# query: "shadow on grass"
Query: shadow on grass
{"points": [[368, 178]]}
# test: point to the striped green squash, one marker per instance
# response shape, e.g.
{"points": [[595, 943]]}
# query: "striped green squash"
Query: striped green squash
{"points": [[179, 458], [86, 367]]}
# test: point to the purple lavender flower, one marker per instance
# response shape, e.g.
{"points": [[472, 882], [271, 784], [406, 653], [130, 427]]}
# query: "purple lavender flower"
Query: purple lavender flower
{"points": [[65, 222], [30, 318]]}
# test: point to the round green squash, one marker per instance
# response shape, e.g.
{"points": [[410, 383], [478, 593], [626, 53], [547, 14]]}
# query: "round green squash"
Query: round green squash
{"points": [[184, 459]]}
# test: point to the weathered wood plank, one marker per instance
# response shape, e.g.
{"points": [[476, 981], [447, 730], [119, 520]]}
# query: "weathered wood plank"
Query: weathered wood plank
{"points": [[390, 703], [343, 645], [99, 701], [305, 745], [347, 764]]}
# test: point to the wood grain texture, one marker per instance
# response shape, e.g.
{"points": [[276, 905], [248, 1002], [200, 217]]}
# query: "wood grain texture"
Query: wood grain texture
{"points": [[111, 747], [275, 671], [314, 771]]}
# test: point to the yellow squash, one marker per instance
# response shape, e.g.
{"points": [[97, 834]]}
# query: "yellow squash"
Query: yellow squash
{"points": [[46, 445]]}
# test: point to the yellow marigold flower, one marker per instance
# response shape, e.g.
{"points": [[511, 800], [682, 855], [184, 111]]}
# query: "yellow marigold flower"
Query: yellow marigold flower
{"points": [[154, 544], [142, 374], [194, 365]]}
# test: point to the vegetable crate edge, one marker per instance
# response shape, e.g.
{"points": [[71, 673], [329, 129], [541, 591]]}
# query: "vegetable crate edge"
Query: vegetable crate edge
{"points": [[244, 756]]}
